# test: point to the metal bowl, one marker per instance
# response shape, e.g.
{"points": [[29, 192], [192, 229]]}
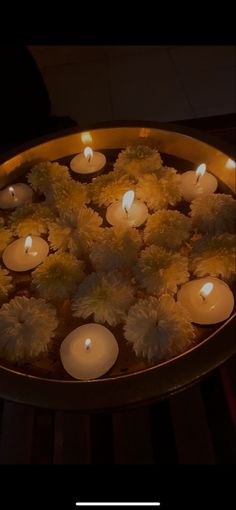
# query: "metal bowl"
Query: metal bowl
{"points": [[141, 382]]}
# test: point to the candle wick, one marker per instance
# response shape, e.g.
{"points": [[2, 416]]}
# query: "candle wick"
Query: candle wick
{"points": [[203, 297], [126, 211], [198, 178], [89, 158]]}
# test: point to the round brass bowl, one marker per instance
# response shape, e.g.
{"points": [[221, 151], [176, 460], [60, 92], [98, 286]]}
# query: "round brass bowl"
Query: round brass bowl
{"points": [[147, 383]]}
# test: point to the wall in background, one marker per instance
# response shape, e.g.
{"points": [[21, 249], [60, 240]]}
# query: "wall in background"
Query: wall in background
{"points": [[164, 83]]}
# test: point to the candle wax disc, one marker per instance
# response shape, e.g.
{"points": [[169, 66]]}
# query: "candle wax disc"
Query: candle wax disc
{"points": [[79, 164], [22, 194], [191, 189], [16, 259]]}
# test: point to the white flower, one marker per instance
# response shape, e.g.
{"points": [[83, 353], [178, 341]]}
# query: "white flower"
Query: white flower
{"points": [[27, 326], [158, 329], [109, 187], [215, 256], [160, 271], [58, 276], [159, 189], [5, 284], [32, 219], [214, 214], [67, 194], [167, 228], [106, 296], [75, 231], [138, 159], [45, 174], [117, 249], [5, 238]]}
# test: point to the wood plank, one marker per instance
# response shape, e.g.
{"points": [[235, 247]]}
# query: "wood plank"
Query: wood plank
{"points": [[43, 437], [16, 433], [228, 375], [72, 438], [219, 419], [132, 437], [163, 439], [101, 439], [192, 434]]}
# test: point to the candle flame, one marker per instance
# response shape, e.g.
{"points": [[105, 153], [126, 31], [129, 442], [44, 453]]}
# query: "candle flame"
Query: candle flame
{"points": [[201, 169], [28, 244], [230, 164], [88, 343], [206, 289], [88, 153], [86, 137], [127, 200], [12, 191]]}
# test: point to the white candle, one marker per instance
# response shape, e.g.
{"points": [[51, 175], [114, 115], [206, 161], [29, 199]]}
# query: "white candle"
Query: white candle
{"points": [[208, 300], [198, 182], [25, 253], [88, 162], [128, 212], [15, 196], [89, 351]]}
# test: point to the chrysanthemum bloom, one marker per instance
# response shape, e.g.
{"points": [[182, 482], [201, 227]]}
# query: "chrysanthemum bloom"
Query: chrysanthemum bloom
{"points": [[160, 271], [58, 276], [105, 296], [27, 326], [117, 249], [69, 194], [75, 231], [167, 228], [159, 189], [31, 219], [5, 284], [215, 256], [46, 173], [214, 214], [158, 329], [5, 237], [138, 159], [105, 189]]}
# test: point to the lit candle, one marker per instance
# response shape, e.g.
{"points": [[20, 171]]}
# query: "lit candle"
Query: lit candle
{"points": [[25, 253], [198, 182], [88, 162], [15, 196], [89, 351], [128, 212], [208, 300]]}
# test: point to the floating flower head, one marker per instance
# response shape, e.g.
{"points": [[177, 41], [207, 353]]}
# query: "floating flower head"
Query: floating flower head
{"points": [[117, 249], [158, 329], [45, 174], [58, 276], [215, 214], [75, 231], [215, 256], [69, 194], [159, 189], [137, 160], [31, 219], [167, 228], [105, 189], [5, 237], [5, 284], [159, 271], [27, 326], [106, 296]]}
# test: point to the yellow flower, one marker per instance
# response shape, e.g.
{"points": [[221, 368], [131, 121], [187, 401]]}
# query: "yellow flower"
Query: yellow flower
{"points": [[167, 228], [214, 214], [5, 284], [159, 189], [215, 256], [138, 159]]}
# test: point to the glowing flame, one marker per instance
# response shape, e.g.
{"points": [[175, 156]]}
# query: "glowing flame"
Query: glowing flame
{"points": [[127, 200], [86, 138], [88, 343], [230, 164], [12, 191], [88, 153], [28, 244], [200, 170], [206, 289]]}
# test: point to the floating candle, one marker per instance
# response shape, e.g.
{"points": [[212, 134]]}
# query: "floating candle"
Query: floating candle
{"points": [[88, 162], [89, 351], [208, 300], [25, 254], [128, 212], [15, 196], [197, 183]]}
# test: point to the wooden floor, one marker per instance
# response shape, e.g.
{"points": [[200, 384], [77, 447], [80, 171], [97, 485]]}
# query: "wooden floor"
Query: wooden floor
{"points": [[196, 426]]}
